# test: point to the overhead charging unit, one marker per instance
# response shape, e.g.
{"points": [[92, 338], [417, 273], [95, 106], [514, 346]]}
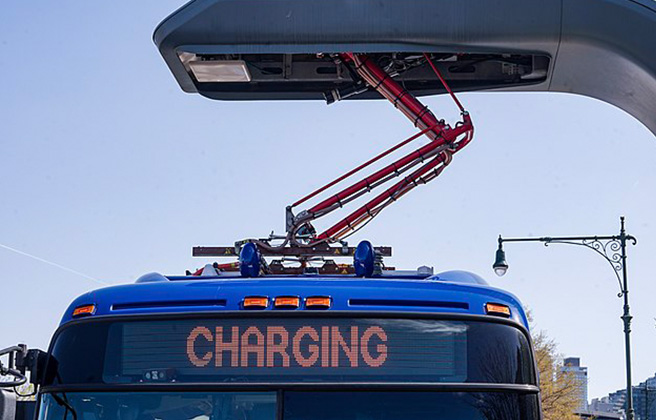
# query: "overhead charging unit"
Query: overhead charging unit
{"points": [[252, 50]]}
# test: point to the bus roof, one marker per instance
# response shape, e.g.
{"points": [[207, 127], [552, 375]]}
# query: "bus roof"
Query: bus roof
{"points": [[456, 292]]}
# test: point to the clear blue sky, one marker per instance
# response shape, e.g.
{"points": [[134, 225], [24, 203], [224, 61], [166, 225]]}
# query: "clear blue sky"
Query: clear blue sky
{"points": [[108, 168]]}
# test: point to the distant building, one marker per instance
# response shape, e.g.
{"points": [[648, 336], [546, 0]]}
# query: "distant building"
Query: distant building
{"points": [[610, 404], [644, 401], [605, 405], [600, 415], [573, 365]]}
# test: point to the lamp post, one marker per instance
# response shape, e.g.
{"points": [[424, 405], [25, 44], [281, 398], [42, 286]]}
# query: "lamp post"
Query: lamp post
{"points": [[612, 249]]}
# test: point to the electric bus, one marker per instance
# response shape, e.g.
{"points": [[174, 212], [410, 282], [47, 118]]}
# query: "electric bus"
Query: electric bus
{"points": [[396, 345]]}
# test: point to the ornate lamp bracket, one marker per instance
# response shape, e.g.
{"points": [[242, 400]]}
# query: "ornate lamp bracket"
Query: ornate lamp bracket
{"points": [[613, 250], [610, 248]]}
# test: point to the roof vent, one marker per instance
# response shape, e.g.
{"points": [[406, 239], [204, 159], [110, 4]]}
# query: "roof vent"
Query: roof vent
{"points": [[209, 271], [151, 278], [457, 276], [424, 270]]}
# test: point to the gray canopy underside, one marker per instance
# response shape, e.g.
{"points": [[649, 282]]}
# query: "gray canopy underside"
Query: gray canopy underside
{"points": [[604, 49]]}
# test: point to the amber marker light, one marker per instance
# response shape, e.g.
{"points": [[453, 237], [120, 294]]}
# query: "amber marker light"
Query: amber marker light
{"points": [[497, 309], [317, 302], [84, 310], [256, 302], [287, 302]]}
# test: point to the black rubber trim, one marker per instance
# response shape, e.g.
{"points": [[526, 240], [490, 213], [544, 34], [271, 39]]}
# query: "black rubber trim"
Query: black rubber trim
{"points": [[168, 304], [297, 386], [408, 303]]}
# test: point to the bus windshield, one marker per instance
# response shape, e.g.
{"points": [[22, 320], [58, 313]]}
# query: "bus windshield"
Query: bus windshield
{"points": [[288, 405]]}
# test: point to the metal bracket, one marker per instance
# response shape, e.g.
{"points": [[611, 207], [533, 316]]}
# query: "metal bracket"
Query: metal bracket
{"points": [[321, 250]]}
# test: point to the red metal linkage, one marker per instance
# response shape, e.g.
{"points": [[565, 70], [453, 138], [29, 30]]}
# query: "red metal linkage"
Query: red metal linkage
{"points": [[370, 209], [446, 86], [446, 141], [364, 165], [408, 160], [410, 106]]}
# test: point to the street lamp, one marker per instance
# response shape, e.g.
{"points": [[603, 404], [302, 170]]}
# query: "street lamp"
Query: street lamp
{"points": [[500, 265], [612, 249]]}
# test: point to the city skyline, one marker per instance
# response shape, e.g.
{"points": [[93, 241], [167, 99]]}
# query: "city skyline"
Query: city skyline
{"points": [[613, 403], [644, 400]]}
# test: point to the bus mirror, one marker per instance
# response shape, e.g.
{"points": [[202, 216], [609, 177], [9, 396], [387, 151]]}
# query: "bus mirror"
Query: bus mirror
{"points": [[34, 361], [7, 405]]}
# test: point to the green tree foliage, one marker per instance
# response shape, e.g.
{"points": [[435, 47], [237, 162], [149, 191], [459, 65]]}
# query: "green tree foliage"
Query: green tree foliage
{"points": [[558, 390]]}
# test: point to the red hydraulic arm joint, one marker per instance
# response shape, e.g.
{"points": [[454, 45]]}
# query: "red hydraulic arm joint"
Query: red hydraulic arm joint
{"points": [[446, 141], [410, 106]]}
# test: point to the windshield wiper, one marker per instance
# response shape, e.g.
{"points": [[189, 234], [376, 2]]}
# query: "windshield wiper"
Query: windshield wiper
{"points": [[63, 401]]}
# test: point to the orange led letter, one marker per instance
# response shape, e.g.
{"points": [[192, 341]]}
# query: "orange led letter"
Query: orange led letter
{"points": [[380, 348], [191, 351], [257, 348], [325, 347], [230, 346], [280, 348], [337, 341], [314, 349]]}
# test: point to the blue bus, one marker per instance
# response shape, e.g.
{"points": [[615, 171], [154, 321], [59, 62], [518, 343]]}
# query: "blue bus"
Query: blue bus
{"points": [[397, 345]]}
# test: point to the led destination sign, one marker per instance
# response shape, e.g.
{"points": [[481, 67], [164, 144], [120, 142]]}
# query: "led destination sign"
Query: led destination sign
{"points": [[291, 349], [272, 346]]}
